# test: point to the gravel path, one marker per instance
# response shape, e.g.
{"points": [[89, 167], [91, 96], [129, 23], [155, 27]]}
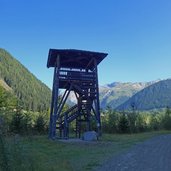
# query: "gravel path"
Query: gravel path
{"points": [[151, 155]]}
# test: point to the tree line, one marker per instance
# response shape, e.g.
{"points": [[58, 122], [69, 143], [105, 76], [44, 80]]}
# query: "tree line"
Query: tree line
{"points": [[15, 119], [135, 121]]}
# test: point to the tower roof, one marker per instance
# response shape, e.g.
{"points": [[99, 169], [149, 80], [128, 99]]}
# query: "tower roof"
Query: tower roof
{"points": [[72, 58]]}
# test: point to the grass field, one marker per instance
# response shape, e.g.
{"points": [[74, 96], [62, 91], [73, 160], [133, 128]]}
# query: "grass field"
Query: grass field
{"points": [[38, 153]]}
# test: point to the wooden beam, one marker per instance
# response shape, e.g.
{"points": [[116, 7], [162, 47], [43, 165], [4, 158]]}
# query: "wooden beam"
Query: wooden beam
{"points": [[97, 99], [52, 106], [56, 93]]}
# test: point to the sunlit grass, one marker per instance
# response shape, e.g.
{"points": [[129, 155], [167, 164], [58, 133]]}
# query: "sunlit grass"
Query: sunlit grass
{"points": [[40, 153]]}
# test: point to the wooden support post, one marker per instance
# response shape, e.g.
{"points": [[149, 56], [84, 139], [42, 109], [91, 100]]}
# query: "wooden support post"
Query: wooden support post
{"points": [[88, 108], [56, 93], [76, 128], [88, 121], [52, 105], [97, 99]]}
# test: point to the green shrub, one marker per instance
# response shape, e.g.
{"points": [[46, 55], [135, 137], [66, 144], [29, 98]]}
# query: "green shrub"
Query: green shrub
{"points": [[41, 124], [123, 124], [167, 119]]}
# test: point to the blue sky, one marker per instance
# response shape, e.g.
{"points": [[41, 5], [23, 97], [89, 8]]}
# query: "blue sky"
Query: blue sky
{"points": [[135, 33]]}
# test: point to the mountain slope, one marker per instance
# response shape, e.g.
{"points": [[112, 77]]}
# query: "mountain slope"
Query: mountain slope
{"points": [[33, 94], [7, 98], [155, 96], [117, 93]]}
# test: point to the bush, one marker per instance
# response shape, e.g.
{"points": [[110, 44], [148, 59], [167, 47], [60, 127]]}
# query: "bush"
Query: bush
{"points": [[123, 124], [155, 122], [132, 118], [16, 123], [110, 121], [167, 119], [41, 124], [23, 122]]}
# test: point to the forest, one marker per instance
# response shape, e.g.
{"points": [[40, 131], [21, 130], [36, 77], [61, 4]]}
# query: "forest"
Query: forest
{"points": [[24, 123], [31, 92], [25, 103], [15, 119], [24, 143]]}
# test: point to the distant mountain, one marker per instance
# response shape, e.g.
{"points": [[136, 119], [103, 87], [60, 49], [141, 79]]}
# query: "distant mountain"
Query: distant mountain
{"points": [[155, 96], [116, 93], [14, 77]]}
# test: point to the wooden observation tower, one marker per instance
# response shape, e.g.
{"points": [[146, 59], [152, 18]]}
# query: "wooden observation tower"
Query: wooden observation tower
{"points": [[74, 70]]}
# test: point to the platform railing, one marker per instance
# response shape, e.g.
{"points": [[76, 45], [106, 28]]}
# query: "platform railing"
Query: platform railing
{"points": [[76, 75]]}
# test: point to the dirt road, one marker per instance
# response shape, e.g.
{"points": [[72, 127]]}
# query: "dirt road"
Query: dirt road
{"points": [[151, 155]]}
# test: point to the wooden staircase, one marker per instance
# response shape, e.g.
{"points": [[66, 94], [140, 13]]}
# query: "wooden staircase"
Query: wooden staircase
{"points": [[80, 112]]}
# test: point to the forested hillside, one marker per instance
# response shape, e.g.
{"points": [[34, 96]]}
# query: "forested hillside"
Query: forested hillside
{"points": [[31, 92], [116, 93], [155, 96], [7, 98]]}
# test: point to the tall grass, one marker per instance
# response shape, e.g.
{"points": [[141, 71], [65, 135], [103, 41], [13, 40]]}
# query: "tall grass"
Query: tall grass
{"points": [[14, 155], [37, 153], [4, 163]]}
